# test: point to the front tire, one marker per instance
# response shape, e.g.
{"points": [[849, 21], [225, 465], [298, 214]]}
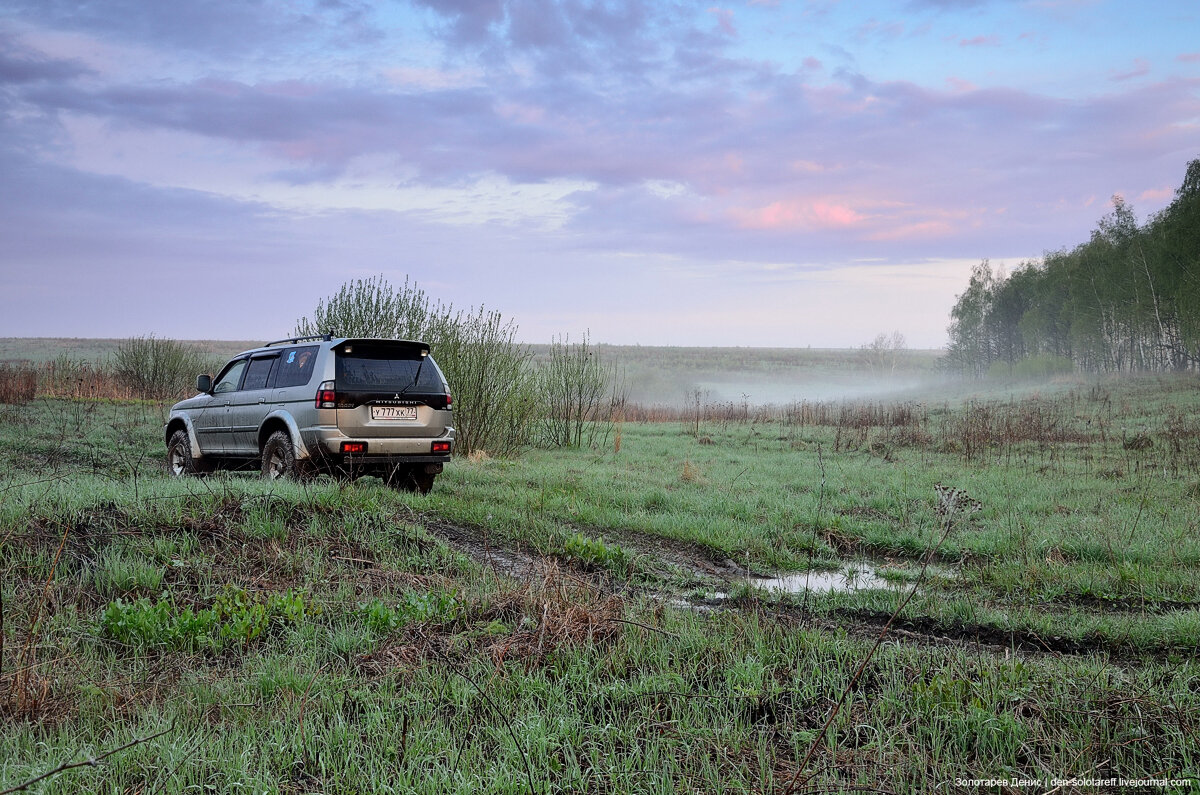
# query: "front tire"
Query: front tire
{"points": [[279, 458], [179, 456]]}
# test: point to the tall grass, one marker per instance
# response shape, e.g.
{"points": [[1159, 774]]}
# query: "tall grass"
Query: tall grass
{"points": [[146, 368], [18, 383]]}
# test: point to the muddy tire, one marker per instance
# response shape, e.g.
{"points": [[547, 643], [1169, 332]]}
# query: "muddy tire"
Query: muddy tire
{"points": [[279, 459], [410, 479], [422, 482], [179, 456]]}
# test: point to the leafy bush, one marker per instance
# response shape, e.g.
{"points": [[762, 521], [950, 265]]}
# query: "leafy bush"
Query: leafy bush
{"points": [[1044, 366], [488, 370], [1032, 368]]}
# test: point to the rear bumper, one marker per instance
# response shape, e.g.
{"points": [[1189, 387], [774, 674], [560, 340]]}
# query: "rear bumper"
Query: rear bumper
{"points": [[388, 460], [327, 442]]}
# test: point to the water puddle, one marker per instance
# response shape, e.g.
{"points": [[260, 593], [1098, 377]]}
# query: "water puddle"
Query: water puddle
{"points": [[851, 578]]}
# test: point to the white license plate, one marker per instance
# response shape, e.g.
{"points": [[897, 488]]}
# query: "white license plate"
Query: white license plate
{"points": [[393, 412]]}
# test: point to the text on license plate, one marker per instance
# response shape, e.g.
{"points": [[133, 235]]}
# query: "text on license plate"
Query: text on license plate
{"points": [[393, 412]]}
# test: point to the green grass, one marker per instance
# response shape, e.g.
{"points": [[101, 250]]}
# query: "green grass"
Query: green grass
{"points": [[326, 637]]}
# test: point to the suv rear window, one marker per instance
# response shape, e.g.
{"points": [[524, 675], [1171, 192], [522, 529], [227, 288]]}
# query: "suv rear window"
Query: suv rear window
{"points": [[388, 368], [296, 366]]}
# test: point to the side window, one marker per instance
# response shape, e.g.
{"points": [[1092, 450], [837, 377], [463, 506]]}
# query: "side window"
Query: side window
{"points": [[230, 378], [296, 366], [258, 376]]}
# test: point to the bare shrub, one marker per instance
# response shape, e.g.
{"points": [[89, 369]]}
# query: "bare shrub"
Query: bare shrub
{"points": [[575, 392], [158, 369]]}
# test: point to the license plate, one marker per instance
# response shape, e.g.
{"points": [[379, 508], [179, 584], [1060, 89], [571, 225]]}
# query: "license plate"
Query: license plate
{"points": [[393, 412]]}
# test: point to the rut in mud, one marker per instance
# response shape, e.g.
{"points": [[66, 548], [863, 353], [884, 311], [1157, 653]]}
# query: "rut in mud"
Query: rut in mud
{"points": [[720, 584]]}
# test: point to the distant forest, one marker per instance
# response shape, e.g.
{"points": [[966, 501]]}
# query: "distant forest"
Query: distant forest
{"points": [[1127, 300]]}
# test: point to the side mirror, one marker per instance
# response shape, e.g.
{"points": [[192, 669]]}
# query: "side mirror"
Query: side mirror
{"points": [[204, 383]]}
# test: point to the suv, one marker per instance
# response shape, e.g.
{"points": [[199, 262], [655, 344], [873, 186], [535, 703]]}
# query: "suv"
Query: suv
{"points": [[305, 405]]}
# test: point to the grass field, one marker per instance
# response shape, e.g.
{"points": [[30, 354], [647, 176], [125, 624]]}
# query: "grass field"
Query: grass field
{"points": [[596, 620]]}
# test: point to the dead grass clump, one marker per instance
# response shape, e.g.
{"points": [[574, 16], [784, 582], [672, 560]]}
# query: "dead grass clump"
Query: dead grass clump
{"points": [[560, 610], [549, 612], [213, 523], [27, 695], [911, 436], [839, 541], [690, 473], [478, 456], [1139, 442], [18, 384], [79, 380]]}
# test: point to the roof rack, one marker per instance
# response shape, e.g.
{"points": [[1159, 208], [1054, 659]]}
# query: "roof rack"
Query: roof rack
{"points": [[326, 337]]}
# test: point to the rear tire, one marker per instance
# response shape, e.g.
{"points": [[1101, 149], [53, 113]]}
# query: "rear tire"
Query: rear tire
{"points": [[279, 458], [414, 479], [422, 482]]}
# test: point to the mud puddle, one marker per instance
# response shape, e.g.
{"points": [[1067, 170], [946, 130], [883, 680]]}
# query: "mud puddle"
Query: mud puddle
{"points": [[858, 576], [852, 578]]}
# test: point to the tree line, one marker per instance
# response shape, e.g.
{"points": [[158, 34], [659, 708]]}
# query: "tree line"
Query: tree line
{"points": [[1126, 300]]}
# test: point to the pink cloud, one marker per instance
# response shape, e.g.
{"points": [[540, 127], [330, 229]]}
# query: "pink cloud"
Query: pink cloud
{"points": [[1189, 57], [813, 63], [798, 214], [1156, 194], [835, 214], [807, 167]]}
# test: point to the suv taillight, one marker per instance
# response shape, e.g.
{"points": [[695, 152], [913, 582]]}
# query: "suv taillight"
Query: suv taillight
{"points": [[326, 396], [448, 399]]}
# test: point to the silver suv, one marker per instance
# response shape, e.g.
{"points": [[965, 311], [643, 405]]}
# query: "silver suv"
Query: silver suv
{"points": [[305, 405]]}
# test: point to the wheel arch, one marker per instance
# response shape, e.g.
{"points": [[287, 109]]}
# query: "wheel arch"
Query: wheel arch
{"points": [[282, 421], [180, 422]]}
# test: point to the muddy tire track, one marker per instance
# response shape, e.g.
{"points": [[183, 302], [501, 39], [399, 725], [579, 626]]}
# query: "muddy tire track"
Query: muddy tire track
{"points": [[709, 564]]}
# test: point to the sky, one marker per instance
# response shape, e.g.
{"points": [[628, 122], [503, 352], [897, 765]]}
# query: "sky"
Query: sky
{"points": [[778, 173]]}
